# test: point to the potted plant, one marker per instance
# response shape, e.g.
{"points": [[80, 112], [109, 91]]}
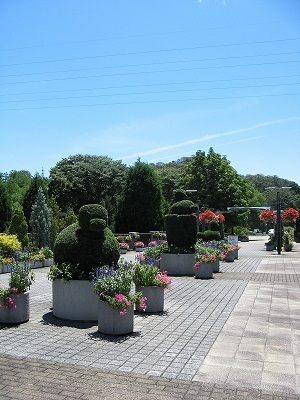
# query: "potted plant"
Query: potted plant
{"points": [[14, 300], [287, 242], [79, 250], [178, 258], [48, 254], [230, 252], [206, 257], [271, 244], [139, 246], [7, 264], [151, 283], [37, 260], [124, 247], [115, 302]]}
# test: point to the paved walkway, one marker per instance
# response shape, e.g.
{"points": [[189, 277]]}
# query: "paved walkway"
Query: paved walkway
{"points": [[237, 335]]}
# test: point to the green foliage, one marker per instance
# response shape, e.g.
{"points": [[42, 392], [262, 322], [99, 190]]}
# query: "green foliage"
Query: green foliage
{"points": [[184, 207], [40, 221], [179, 195], [85, 179], [70, 217], [9, 244], [18, 226], [5, 210], [17, 184], [21, 278], [154, 253], [31, 194], [146, 275], [89, 213], [181, 230], [87, 245], [209, 235], [65, 272], [141, 206]]}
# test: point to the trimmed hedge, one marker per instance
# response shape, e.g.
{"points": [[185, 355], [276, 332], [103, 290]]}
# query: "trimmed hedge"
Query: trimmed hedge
{"points": [[209, 235], [184, 207], [87, 245], [181, 230]]}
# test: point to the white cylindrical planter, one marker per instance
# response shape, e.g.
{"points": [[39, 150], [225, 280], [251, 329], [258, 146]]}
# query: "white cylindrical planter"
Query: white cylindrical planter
{"points": [[216, 266], [205, 271], [155, 298], [110, 322], [17, 314], [177, 264], [74, 300], [229, 257]]}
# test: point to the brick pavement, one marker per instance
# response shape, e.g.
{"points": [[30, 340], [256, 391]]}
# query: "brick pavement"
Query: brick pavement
{"points": [[163, 349]]}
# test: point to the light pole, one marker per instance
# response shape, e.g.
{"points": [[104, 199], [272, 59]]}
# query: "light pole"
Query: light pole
{"points": [[278, 216]]}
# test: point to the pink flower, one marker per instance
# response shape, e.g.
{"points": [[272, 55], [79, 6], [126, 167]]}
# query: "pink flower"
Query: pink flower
{"points": [[120, 297], [163, 278], [13, 290], [122, 312], [143, 303]]}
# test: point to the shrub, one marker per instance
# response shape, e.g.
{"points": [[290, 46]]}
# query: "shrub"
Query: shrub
{"points": [[86, 245], [184, 207], [19, 227], [179, 194], [9, 244], [40, 221], [181, 230], [209, 235]]}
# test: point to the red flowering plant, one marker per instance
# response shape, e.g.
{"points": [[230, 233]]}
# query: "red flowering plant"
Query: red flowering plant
{"points": [[267, 216], [124, 246], [208, 216], [220, 217], [139, 244], [290, 215]]}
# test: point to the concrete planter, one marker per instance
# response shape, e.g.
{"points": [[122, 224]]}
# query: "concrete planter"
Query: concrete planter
{"points": [[270, 247], [37, 264], [48, 262], [178, 264], [74, 300], [205, 271], [6, 268], [139, 249], [18, 314], [110, 322], [1, 268], [123, 251], [155, 298], [236, 254], [216, 266], [229, 257]]}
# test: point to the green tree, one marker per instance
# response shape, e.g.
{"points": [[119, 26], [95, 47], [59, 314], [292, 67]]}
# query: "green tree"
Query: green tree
{"points": [[31, 194], [70, 217], [40, 221], [5, 210], [86, 179], [19, 227], [218, 184], [141, 206], [17, 184]]}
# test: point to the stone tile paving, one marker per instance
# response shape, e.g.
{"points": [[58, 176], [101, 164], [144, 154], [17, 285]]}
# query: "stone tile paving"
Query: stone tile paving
{"points": [[259, 345], [33, 379], [173, 344]]}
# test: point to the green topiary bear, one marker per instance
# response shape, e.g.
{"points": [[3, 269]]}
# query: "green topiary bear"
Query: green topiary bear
{"points": [[181, 225], [87, 244]]}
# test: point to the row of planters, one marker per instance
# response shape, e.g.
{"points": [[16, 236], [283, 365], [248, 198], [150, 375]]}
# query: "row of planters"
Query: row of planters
{"points": [[132, 242], [37, 258]]}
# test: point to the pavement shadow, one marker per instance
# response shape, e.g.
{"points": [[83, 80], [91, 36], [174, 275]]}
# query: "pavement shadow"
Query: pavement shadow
{"points": [[150, 314], [97, 336], [50, 319]]}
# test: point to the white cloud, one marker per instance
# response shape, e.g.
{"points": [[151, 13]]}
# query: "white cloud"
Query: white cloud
{"points": [[206, 138]]}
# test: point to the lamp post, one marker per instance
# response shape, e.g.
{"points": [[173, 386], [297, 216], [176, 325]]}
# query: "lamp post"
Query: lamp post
{"points": [[278, 216]]}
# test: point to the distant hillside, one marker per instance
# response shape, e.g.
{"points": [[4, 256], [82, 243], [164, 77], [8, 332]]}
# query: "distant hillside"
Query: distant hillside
{"points": [[263, 181]]}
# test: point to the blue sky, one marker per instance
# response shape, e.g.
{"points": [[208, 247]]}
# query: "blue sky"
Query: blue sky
{"points": [[155, 79]]}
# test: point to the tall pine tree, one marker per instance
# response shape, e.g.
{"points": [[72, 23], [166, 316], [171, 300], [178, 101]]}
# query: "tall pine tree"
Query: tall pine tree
{"points": [[19, 227], [40, 221], [141, 207]]}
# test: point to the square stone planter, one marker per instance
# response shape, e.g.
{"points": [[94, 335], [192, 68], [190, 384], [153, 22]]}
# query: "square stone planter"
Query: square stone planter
{"points": [[17, 314], [216, 266], [110, 322], [74, 300], [236, 254], [155, 298], [204, 271], [123, 251], [230, 257], [178, 264], [139, 249], [48, 262], [6, 268]]}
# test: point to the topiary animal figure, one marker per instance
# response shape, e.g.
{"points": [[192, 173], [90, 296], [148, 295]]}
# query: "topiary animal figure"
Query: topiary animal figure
{"points": [[181, 225], [87, 244]]}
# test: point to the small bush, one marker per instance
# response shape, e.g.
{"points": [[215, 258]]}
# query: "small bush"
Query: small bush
{"points": [[9, 244], [207, 236], [184, 207], [90, 212]]}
